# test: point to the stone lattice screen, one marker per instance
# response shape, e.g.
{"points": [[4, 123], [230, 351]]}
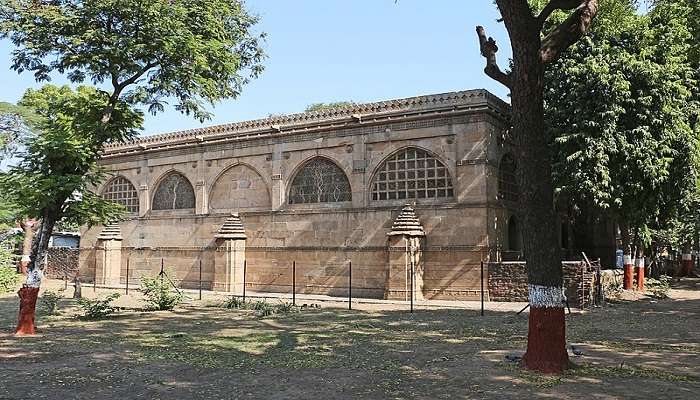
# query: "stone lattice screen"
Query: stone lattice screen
{"points": [[174, 193], [62, 262], [412, 174], [320, 181]]}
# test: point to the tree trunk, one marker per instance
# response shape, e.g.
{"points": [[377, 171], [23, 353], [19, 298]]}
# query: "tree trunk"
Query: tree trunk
{"points": [[628, 265], [546, 348], [29, 227], [29, 293]]}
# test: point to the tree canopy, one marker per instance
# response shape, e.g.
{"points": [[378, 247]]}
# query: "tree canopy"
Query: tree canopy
{"points": [[619, 105]]}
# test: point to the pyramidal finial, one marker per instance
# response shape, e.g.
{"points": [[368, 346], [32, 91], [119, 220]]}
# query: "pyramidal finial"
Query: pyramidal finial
{"points": [[232, 228], [110, 232], [407, 223]]}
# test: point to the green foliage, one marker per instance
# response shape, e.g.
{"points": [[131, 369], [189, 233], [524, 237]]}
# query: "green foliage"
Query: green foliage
{"points": [[234, 302], [98, 308], [192, 51], [9, 278], [58, 163], [329, 106], [261, 307], [658, 288], [159, 295], [48, 302], [619, 106], [15, 123]]}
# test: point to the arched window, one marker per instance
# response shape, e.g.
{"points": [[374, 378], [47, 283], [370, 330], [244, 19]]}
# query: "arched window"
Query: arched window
{"points": [[174, 193], [507, 184], [120, 190], [320, 181], [412, 174], [514, 242]]}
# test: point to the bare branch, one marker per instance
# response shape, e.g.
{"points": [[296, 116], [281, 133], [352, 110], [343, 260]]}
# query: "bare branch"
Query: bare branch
{"points": [[569, 31], [554, 5], [488, 50]]}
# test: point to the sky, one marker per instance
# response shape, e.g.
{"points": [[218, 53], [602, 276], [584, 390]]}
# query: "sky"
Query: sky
{"points": [[333, 50]]}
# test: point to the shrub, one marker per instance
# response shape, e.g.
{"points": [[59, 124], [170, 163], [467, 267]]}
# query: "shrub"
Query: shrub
{"points": [[159, 295], [98, 308], [48, 303], [234, 302], [658, 288], [263, 308], [286, 308], [9, 278]]}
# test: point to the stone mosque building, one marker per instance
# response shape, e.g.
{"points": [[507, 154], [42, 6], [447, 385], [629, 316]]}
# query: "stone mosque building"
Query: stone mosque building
{"points": [[424, 183]]}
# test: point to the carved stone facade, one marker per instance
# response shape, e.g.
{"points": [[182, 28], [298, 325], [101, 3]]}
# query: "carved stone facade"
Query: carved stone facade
{"points": [[323, 189]]}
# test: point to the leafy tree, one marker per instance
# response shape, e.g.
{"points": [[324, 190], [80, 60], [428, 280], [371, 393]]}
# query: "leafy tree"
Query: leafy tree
{"points": [[631, 157], [536, 45], [329, 106], [193, 52]]}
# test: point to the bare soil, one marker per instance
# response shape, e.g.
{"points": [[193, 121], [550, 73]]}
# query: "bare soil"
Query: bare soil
{"points": [[644, 349]]}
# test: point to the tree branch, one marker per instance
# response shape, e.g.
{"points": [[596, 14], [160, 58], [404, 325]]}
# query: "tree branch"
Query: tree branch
{"points": [[488, 50], [569, 31], [554, 5]]}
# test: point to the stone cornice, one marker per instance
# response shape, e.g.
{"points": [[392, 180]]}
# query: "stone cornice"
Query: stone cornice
{"points": [[336, 118]]}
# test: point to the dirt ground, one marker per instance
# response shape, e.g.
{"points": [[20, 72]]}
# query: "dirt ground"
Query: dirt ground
{"points": [[647, 349]]}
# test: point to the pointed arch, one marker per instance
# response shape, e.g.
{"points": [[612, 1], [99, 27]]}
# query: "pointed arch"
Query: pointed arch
{"points": [[121, 190], [319, 180], [239, 187], [411, 173], [173, 192]]}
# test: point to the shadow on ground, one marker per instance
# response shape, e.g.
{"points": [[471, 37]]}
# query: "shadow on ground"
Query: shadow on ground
{"points": [[644, 349]]}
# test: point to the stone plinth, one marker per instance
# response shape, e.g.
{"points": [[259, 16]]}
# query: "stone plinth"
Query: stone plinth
{"points": [[230, 256], [405, 257], [108, 253]]}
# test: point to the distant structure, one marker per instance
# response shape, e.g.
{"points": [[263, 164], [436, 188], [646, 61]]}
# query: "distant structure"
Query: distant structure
{"points": [[323, 189]]}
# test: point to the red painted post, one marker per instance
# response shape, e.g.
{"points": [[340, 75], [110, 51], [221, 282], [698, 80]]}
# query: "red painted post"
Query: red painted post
{"points": [[628, 279], [640, 274]]}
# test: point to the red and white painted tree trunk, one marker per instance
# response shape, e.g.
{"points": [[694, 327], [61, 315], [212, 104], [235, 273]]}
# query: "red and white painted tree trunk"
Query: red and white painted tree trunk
{"points": [[546, 338], [628, 277], [639, 263]]}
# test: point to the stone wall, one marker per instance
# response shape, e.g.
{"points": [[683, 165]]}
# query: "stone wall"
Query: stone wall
{"points": [[507, 281], [62, 262]]}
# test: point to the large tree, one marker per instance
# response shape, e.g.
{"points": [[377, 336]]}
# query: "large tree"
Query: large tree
{"points": [[533, 49], [140, 53], [632, 157], [193, 53]]}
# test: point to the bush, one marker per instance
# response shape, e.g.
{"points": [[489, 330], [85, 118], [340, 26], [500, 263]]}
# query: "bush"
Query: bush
{"points": [[9, 278], [286, 308], [48, 302], [658, 288], [234, 302], [98, 308], [159, 295], [263, 308]]}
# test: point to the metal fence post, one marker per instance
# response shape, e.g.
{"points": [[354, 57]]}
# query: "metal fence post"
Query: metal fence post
{"points": [[94, 281], [200, 278], [412, 271], [482, 288], [350, 286], [127, 276], [245, 262], [162, 270], [294, 283]]}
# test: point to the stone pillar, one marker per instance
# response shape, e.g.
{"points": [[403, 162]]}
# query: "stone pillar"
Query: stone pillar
{"points": [[405, 257], [230, 256], [108, 256]]}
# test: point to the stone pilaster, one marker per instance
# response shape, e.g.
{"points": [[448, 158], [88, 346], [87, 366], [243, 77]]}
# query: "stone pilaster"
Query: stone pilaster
{"points": [[230, 256], [108, 255], [405, 256]]}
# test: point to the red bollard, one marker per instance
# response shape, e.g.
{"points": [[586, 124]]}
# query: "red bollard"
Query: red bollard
{"points": [[686, 264], [640, 274], [627, 282], [27, 308]]}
